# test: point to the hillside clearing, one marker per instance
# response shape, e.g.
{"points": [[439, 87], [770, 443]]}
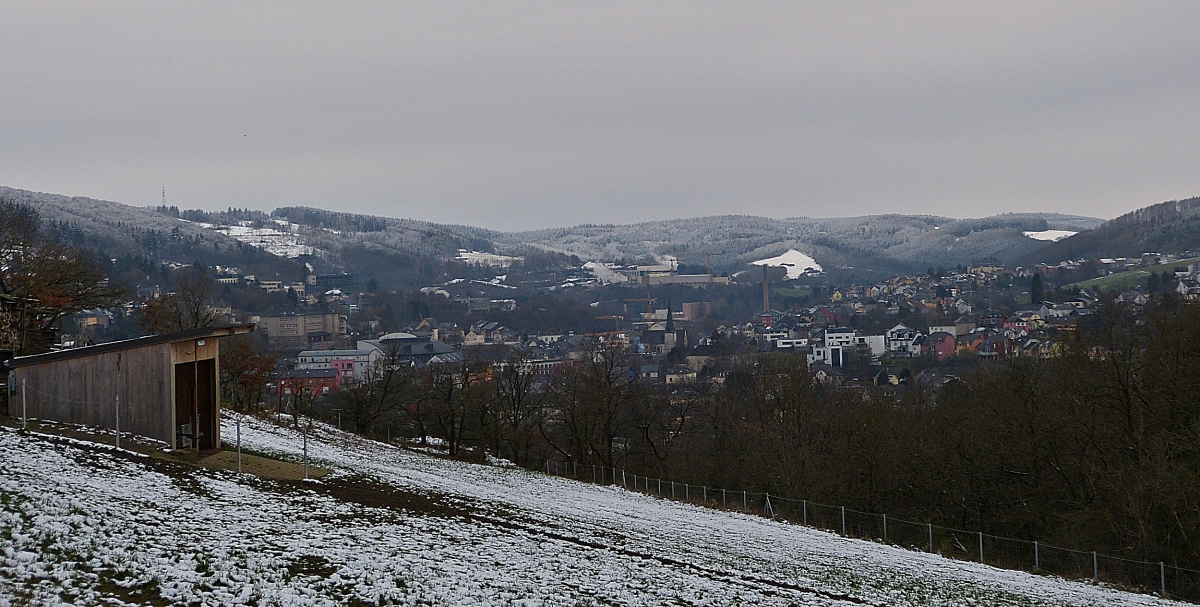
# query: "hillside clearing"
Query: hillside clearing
{"points": [[87, 525]]}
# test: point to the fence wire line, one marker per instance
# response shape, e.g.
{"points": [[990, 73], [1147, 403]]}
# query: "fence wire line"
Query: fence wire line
{"points": [[20, 387], [1140, 576]]}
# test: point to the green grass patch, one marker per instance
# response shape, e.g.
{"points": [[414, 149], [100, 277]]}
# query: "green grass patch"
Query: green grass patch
{"points": [[1129, 278], [1115, 282], [795, 292]]}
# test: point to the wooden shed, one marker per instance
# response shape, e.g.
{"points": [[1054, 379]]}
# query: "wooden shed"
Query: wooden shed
{"points": [[165, 387]]}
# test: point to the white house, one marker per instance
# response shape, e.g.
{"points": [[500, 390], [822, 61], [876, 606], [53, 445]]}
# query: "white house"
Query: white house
{"points": [[876, 344], [902, 341], [839, 336]]}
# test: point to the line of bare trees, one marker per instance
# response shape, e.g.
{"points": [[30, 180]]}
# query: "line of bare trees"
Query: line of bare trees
{"points": [[1097, 447]]}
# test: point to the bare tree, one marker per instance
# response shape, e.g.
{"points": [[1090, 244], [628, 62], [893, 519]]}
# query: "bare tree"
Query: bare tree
{"points": [[47, 279], [187, 308], [245, 369], [592, 403], [515, 396], [380, 392], [453, 390]]}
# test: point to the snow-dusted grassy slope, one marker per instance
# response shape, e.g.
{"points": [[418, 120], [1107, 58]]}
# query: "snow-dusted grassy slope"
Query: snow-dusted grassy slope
{"points": [[85, 525]]}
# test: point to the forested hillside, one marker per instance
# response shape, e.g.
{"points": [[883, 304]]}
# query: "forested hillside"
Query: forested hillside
{"points": [[405, 253], [890, 242], [1169, 227]]}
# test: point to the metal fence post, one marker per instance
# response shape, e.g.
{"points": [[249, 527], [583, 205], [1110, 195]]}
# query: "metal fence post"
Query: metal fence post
{"points": [[767, 509], [593, 474], [306, 454], [885, 528], [1037, 558], [239, 443], [24, 413], [980, 546], [843, 520], [724, 504], [660, 487], [687, 491], [672, 489], [1095, 567], [623, 483], [745, 503], [931, 537], [1162, 577], [118, 421], [804, 505], [704, 493]]}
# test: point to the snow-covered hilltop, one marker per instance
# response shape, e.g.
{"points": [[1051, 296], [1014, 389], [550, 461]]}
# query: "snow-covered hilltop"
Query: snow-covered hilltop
{"points": [[85, 525]]}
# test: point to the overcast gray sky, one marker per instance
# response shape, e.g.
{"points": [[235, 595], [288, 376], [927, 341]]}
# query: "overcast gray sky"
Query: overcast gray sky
{"points": [[533, 114]]}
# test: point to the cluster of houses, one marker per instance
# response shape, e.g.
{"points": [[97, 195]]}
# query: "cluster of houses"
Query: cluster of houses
{"points": [[1188, 285], [1030, 331]]}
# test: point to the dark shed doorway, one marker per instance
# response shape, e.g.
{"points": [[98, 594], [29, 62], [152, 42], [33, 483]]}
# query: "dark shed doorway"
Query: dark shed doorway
{"points": [[196, 405]]}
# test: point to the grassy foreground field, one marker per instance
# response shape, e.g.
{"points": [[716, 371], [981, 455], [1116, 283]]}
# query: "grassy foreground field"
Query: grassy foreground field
{"points": [[84, 523]]}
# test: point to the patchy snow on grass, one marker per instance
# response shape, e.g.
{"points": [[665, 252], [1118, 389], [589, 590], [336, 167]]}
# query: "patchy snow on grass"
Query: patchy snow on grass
{"points": [[490, 260], [1051, 235], [283, 243], [83, 526]]}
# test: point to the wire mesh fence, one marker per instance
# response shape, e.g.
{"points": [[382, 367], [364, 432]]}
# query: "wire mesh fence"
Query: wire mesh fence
{"points": [[1138, 576]]}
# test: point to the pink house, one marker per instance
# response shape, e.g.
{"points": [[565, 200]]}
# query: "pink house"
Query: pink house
{"points": [[941, 344]]}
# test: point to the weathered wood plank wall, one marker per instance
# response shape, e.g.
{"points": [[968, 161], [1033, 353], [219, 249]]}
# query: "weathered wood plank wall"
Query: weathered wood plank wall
{"points": [[83, 390]]}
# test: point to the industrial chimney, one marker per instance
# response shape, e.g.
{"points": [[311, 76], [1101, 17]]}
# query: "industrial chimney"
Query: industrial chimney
{"points": [[766, 291]]}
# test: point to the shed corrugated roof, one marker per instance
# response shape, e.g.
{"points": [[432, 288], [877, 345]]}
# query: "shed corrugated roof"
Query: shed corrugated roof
{"points": [[128, 344]]}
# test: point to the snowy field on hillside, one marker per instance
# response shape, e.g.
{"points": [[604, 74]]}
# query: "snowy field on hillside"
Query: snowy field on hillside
{"points": [[797, 263], [283, 243], [89, 526], [490, 260], [1052, 235]]}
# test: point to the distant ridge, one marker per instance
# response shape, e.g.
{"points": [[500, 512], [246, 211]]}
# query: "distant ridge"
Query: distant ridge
{"points": [[885, 243]]}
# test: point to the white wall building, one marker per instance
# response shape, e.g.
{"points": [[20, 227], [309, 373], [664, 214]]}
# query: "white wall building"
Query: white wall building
{"points": [[352, 364]]}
